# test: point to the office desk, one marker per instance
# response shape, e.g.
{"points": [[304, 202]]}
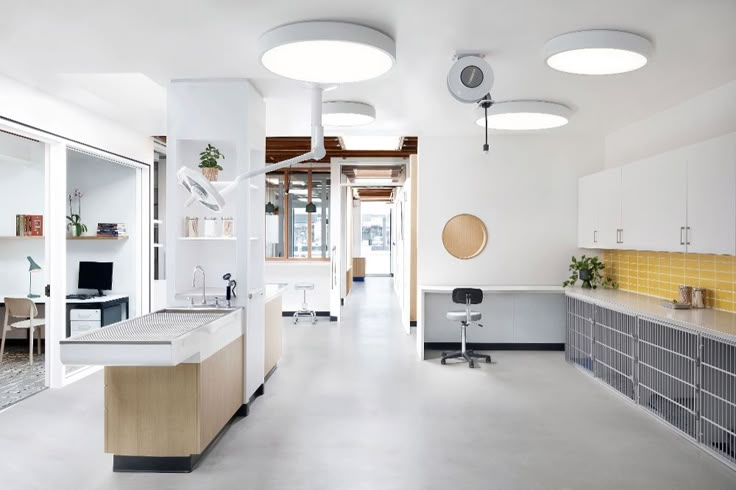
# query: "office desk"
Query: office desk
{"points": [[113, 308], [514, 317]]}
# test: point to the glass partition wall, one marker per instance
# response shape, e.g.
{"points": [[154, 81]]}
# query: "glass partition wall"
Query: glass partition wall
{"points": [[103, 258], [297, 215], [23, 262]]}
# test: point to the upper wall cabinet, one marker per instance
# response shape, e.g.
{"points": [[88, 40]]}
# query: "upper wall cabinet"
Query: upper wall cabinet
{"points": [[711, 196], [599, 210], [682, 200], [653, 203], [588, 211]]}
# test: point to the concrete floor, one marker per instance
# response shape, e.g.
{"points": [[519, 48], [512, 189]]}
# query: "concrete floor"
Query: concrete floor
{"points": [[350, 407]]}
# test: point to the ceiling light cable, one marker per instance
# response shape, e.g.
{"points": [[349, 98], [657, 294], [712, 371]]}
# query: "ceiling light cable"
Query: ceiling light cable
{"points": [[485, 103]]}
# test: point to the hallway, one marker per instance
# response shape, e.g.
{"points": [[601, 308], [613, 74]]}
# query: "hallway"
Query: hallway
{"points": [[350, 407]]}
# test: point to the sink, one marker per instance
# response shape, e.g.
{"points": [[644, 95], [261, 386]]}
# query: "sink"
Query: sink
{"points": [[163, 338]]}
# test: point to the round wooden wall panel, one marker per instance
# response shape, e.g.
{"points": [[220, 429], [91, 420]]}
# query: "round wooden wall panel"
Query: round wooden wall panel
{"points": [[464, 236]]}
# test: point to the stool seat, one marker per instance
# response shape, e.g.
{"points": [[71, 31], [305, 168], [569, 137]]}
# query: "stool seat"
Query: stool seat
{"points": [[460, 316], [304, 285]]}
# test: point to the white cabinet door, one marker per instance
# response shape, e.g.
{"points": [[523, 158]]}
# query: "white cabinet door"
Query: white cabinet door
{"points": [[587, 211], [711, 196], [608, 196], [654, 201]]}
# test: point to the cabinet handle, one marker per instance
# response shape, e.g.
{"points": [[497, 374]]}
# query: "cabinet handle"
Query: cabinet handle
{"points": [[687, 235], [595, 236], [621, 230], [682, 238]]}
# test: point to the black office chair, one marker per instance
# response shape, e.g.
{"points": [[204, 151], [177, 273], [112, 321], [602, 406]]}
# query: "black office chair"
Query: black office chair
{"points": [[467, 297]]}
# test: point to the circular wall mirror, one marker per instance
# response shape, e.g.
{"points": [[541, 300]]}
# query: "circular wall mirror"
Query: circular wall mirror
{"points": [[464, 236]]}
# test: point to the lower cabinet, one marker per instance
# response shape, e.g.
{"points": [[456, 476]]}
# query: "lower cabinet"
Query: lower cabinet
{"points": [[684, 377]]}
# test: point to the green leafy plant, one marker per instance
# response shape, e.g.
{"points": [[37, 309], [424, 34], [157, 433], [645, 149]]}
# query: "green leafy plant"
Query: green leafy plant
{"points": [[589, 270], [75, 224], [209, 158]]}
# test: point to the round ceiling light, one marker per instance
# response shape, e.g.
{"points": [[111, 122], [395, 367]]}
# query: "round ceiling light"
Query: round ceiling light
{"points": [[327, 52], [343, 113], [597, 52], [520, 115]]}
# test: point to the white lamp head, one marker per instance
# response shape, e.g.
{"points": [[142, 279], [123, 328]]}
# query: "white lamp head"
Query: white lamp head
{"points": [[327, 52], [597, 52], [201, 189], [520, 115]]}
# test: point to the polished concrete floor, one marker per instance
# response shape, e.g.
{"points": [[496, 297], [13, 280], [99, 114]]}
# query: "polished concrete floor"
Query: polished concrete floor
{"points": [[350, 407]]}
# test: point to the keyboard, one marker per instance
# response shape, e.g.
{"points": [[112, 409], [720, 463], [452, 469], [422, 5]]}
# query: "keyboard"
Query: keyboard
{"points": [[78, 296]]}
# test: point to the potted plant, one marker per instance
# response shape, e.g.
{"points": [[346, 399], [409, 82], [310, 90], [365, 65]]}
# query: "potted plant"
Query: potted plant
{"points": [[75, 225], [208, 162], [589, 271]]}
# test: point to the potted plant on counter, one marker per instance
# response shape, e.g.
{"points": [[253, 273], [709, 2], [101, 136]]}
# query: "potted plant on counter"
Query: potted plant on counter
{"points": [[589, 271], [208, 162]]}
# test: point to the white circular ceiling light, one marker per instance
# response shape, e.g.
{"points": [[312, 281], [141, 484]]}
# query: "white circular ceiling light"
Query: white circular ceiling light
{"points": [[525, 115], [327, 52], [345, 113], [597, 52]]}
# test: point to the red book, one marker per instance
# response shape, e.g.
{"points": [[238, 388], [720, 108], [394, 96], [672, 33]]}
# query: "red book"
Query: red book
{"points": [[34, 225]]}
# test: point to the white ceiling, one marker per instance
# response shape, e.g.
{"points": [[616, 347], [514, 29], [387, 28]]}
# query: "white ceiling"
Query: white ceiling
{"points": [[71, 48]]}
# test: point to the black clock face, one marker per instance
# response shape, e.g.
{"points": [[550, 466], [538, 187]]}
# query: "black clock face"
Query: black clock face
{"points": [[471, 76]]}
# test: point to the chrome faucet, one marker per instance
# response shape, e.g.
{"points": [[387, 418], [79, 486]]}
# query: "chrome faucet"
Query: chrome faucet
{"points": [[204, 282]]}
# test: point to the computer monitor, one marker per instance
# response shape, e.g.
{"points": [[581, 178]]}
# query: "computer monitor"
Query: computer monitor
{"points": [[95, 275]]}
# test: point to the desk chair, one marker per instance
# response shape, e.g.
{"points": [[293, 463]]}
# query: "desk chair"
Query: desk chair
{"points": [[466, 296], [26, 309], [305, 310]]}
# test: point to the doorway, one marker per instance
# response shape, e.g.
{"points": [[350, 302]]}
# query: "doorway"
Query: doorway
{"points": [[376, 241]]}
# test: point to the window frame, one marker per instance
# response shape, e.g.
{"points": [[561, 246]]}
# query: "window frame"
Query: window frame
{"points": [[287, 217]]}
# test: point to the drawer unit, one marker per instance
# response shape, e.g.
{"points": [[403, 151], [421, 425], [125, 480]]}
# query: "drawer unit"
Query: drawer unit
{"points": [[81, 326], [85, 315]]}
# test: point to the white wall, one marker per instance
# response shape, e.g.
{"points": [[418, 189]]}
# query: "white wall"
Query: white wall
{"points": [[292, 272], [524, 190], [694, 120], [109, 197], [40, 110]]}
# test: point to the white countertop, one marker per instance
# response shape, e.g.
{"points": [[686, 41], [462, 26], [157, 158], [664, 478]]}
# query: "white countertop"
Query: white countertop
{"points": [[705, 320], [494, 289], [272, 290], [44, 299]]}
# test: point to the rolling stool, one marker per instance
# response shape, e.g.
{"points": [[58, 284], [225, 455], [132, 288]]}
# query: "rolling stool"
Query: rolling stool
{"points": [[305, 310], [466, 296]]}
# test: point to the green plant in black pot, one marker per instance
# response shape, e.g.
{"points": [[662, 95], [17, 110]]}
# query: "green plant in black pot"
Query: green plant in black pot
{"points": [[589, 270], [208, 162]]}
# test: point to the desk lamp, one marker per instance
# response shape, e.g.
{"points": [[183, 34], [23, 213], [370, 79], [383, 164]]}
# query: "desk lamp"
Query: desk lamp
{"points": [[33, 267]]}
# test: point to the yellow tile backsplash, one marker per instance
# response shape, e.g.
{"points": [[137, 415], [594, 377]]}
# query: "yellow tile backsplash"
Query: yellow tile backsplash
{"points": [[660, 274]]}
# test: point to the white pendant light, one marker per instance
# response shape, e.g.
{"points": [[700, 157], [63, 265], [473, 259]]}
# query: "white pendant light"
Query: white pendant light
{"points": [[520, 115], [597, 52], [344, 113], [327, 52]]}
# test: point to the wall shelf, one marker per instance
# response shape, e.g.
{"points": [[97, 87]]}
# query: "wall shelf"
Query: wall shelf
{"points": [[207, 238], [11, 237], [114, 238]]}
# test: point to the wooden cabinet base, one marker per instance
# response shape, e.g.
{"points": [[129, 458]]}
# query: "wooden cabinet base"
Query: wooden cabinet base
{"points": [[157, 417]]}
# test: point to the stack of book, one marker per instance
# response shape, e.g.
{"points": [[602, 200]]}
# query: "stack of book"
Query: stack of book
{"points": [[113, 230], [28, 225]]}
